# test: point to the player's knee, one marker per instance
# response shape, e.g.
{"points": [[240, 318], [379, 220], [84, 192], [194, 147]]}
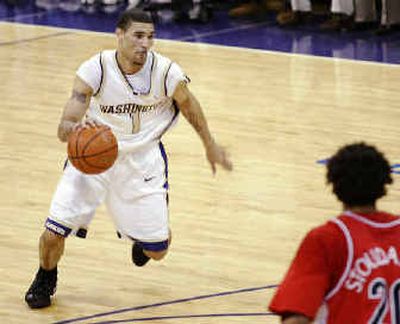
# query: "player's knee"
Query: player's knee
{"points": [[157, 256], [50, 238]]}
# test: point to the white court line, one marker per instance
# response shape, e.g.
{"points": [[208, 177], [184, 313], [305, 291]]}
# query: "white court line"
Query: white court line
{"points": [[235, 48], [221, 31]]}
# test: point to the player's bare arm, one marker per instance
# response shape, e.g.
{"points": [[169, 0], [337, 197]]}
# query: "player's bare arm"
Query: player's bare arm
{"points": [[296, 319], [191, 109], [74, 109]]}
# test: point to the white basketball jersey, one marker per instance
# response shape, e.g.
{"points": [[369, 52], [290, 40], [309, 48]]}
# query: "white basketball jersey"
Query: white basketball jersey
{"points": [[138, 108]]}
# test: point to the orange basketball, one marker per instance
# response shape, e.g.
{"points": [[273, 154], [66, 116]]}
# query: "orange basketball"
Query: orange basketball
{"points": [[92, 150]]}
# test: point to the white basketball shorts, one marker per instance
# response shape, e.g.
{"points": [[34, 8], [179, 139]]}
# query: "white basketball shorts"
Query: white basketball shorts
{"points": [[134, 190]]}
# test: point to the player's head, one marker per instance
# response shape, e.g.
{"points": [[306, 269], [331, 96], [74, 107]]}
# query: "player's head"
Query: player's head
{"points": [[135, 32], [358, 174]]}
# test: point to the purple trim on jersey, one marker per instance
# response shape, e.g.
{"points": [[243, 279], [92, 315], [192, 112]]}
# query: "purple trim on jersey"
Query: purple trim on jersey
{"points": [[165, 158], [154, 246], [102, 76], [166, 77], [57, 228], [65, 164], [176, 113]]}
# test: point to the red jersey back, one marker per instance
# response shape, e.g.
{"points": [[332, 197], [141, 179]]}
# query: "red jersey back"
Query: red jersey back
{"points": [[369, 289]]}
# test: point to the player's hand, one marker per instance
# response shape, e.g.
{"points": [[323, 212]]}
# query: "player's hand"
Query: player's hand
{"points": [[217, 155], [67, 127], [87, 123]]}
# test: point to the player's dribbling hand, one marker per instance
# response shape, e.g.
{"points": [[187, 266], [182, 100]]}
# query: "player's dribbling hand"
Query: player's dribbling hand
{"points": [[217, 155], [87, 123]]}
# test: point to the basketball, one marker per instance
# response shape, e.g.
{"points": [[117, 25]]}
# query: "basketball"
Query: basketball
{"points": [[92, 150]]}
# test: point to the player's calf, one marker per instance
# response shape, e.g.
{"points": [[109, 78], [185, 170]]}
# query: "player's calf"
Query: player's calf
{"points": [[156, 255]]}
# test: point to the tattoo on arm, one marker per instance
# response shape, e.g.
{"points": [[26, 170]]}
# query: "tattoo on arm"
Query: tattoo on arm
{"points": [[79, 96]]}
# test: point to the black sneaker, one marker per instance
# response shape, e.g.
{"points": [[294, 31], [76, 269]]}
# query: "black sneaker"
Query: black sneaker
{"points": [[138, 256], [44, 286]]}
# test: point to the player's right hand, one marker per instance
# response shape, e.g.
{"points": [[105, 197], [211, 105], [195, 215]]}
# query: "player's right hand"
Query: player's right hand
{"points": [[216, 154]]}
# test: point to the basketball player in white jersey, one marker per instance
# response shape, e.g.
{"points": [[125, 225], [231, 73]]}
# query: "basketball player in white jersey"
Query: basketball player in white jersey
{"points": [[138, 94]]}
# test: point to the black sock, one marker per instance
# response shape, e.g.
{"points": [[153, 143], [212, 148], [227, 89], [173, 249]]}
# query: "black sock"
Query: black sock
{"points": [[48, 273], [138, 256], [49, 276]]}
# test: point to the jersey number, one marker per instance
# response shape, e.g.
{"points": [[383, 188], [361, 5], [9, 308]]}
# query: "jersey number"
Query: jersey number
{"points": [[135, 117], [378, 289]]}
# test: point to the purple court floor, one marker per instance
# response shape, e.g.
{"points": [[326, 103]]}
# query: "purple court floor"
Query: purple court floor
{"points": [[261, 34]]}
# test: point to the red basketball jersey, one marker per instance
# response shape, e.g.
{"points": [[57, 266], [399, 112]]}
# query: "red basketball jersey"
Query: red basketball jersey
{"points": [[348, 269], [369, 289]]}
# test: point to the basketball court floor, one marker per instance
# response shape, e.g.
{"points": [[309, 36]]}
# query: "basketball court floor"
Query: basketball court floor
{"points": [[279, 100]]}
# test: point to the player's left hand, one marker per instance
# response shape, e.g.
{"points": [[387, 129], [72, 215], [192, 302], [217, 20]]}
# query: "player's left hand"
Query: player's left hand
{"points": [[88, 123], [217, 155]]}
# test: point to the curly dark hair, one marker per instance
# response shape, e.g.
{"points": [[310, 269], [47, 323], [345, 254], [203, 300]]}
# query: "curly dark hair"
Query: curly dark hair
{"points": [[358, 173], [133, 15]]}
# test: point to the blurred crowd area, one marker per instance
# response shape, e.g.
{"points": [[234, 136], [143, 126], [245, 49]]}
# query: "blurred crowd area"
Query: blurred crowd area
{"points": [[381, 16]]}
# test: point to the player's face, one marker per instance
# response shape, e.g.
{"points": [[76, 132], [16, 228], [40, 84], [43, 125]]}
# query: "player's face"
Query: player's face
{"points": [[134, 42]]}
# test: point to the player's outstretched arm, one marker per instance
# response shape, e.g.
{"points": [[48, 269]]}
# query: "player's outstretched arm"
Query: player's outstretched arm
{"points": [[191, 109], [74, 109]]}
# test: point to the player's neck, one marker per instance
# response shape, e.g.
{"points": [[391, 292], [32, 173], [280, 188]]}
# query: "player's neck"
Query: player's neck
{"points": [[368, 209], [127, 66]]}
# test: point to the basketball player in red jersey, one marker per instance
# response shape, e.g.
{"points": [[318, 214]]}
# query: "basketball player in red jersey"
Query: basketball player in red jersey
{"points": [[347, 271]]}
